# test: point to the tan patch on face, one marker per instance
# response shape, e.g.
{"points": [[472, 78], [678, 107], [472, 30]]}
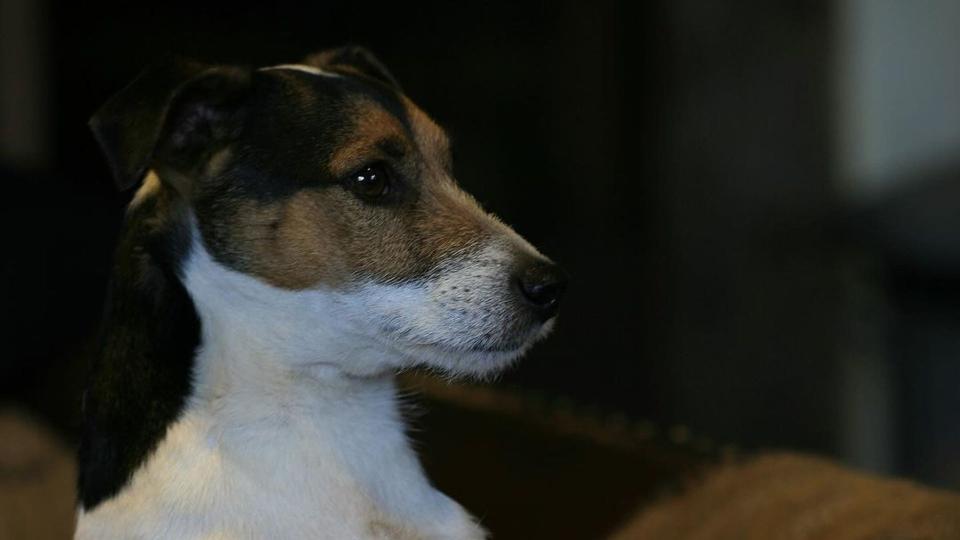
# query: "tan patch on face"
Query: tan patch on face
{"points": [[431, 139], [373, 125], [328, 237], [281, 242]]}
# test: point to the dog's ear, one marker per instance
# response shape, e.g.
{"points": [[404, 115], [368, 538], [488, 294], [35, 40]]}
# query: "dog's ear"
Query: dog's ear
{"points": [[173, 114], [353, 60]]}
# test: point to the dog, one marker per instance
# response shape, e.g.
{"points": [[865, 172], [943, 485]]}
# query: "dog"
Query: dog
{"points": [[297, 238]]}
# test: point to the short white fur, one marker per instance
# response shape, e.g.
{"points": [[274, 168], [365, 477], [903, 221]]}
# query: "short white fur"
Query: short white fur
{"points": [[312, 70]]}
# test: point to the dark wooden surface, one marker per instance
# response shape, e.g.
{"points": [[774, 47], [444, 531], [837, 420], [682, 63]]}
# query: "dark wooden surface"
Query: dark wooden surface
{"points": [[530, 468]]}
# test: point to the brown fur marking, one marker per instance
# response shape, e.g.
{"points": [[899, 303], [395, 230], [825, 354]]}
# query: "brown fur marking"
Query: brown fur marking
{"points": [[328, 237]]}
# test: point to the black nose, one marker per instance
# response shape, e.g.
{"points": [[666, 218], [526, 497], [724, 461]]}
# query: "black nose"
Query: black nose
{"points": [[542, 284]]}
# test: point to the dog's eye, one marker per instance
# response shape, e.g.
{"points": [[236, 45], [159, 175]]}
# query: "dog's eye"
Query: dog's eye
{"points": [[370, 182]]}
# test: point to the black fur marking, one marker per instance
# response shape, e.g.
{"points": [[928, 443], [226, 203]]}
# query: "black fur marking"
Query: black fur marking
{"points": [[359, 59], [172, 111], [142, 378]]}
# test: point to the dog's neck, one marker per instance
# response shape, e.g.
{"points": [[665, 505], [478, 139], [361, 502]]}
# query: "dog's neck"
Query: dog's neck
{"points": [[262, 369], [274, 333], [289, 431], [314, 402]]}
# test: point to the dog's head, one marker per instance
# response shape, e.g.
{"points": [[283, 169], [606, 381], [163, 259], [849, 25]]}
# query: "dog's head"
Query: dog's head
{"points": [[321, 201]]}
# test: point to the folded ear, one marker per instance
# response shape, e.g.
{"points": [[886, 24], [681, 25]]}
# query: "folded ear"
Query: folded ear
{"points": [[355, 60], [172, 115]]}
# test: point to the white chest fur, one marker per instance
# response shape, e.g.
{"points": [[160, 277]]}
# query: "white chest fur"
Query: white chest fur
{"points": [[284, 470], [274, 445]]}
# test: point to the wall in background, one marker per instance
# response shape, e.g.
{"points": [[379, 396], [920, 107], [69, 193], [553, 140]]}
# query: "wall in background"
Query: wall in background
{"points": [[898, 82]]}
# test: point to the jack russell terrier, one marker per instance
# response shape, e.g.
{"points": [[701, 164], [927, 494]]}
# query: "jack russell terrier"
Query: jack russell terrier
{"points": [[297, 239]]}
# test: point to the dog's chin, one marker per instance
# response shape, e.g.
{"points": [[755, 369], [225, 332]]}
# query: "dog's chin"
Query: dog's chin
{"points": [[478, 360]]}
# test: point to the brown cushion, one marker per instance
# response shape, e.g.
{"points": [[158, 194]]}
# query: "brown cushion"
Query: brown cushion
{"points": [[36, 481], [802, 498]]}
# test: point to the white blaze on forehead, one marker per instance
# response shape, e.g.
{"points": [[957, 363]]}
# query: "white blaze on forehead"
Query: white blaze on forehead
{"points": [[302, 68]]}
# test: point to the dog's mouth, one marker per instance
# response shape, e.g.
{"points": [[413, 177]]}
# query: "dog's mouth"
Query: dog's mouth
{"points": [[480, 347], [474, 355], [462, 321]]}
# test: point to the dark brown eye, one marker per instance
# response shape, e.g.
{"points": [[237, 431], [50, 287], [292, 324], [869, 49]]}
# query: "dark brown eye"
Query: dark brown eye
{"points": [[370, 182]]}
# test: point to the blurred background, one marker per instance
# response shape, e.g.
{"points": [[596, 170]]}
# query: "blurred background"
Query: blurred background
{"points": [[758, 202]]}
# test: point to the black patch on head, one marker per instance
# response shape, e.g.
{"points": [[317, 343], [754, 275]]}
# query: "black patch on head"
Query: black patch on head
{"points": [[172, 115], [356, 59], [293, 124], [141, 378]]}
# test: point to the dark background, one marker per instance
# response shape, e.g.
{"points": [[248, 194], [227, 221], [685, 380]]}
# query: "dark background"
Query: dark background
{"points": [[679, 159]]}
